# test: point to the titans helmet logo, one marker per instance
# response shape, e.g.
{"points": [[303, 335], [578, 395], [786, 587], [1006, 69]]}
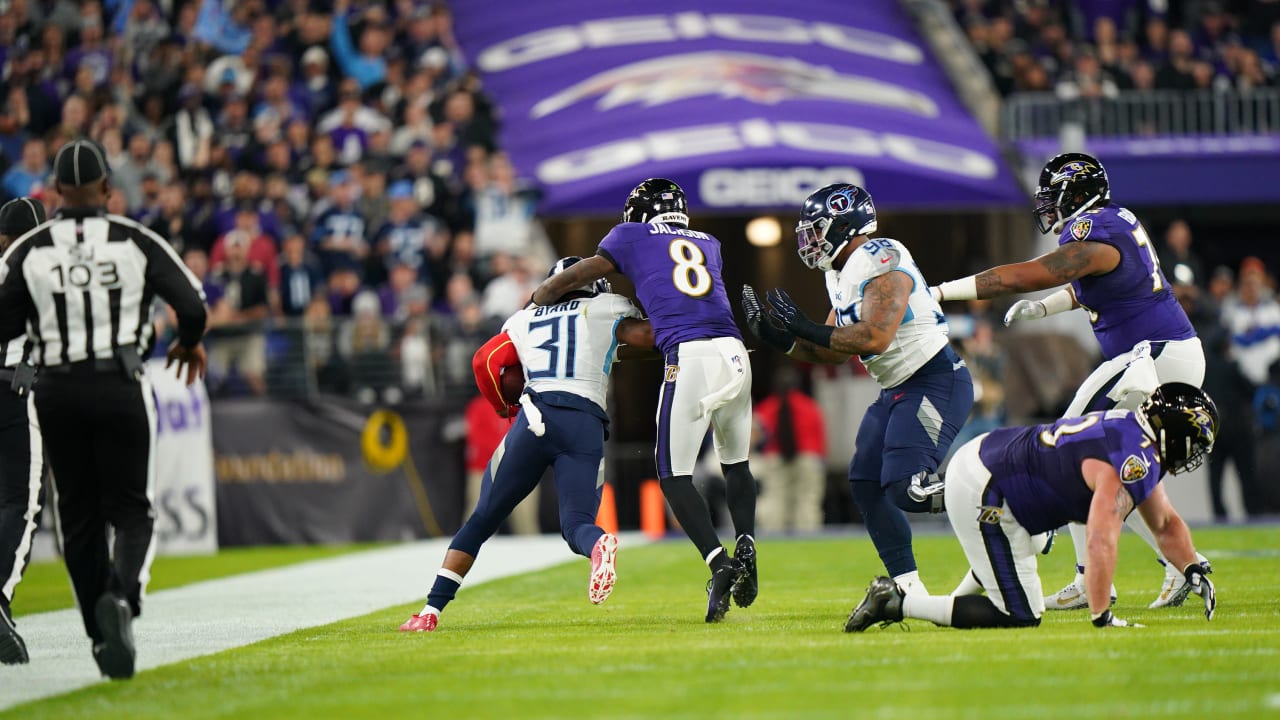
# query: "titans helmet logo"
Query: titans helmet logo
{"points": [[761, 79], [840, 202]]}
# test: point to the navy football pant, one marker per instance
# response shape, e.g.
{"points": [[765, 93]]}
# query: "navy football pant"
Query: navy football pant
{"points": [[907, 430], [573, 447]]}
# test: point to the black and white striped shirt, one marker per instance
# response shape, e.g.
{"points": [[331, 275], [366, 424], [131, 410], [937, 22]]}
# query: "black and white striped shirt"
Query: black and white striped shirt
{"points": [[82, 285]]}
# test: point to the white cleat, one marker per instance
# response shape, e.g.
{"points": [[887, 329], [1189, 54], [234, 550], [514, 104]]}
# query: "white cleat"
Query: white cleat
{"points": [[1072, 597], [1175, 589], [603, 568]]}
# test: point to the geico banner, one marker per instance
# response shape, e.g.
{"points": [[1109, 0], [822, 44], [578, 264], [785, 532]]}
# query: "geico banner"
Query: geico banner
{"points": [[184, 500], [330, 471], [597, 96]]}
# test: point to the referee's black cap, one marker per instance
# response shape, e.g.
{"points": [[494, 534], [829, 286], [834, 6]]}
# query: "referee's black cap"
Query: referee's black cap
{"points": [[21, 215], [79, 163]]}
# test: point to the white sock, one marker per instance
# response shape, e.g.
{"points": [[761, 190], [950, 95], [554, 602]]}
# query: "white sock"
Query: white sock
{"points": [[428, 610], [934, 608], [968, 586], [1081, 543], [712, 555], [910, 583], [442, 572]]}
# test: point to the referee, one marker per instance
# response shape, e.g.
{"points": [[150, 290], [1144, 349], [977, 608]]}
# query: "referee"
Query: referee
{"points": [[21, 449], [82, 286]]}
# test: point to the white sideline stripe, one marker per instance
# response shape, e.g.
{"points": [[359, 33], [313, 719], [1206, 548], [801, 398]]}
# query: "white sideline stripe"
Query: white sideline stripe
{"points": [[216, 615]]}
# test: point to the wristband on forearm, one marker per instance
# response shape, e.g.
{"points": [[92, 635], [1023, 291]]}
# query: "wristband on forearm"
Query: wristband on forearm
{"points": [[1059, 302], [963, 289], [818, 334]]}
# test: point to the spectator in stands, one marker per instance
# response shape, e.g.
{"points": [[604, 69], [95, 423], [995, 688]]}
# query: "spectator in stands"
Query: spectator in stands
{"points": [[366, 65], [793, 476], [339, 236], [1222, 286], [402, 292], [1177, 73], [1178, 261], [364, 340], [127, 174], [504, 215], [1087, 80], [343, 283], [300, 277], [1224, 382], [260, 249], [29, 175], [237, 317], [1254, 322], [405, 238]]}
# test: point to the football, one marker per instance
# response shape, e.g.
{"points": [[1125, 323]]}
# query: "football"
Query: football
{"points": [[512, 383]]}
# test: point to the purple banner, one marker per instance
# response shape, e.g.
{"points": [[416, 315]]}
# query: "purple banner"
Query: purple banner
{"points": [[1236, 169], [747, 104]]}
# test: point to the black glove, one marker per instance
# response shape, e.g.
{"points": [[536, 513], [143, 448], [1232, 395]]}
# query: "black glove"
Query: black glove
{"points": [[760, 325], [1106, 619], [784, 312], [1201, 585]]}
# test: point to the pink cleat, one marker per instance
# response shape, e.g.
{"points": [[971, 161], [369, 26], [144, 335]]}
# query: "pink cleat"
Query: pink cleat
{"points": [[421, 623], [603, 571]]}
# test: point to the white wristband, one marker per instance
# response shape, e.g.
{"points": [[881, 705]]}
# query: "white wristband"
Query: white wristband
{"points": [[962, 289], [1059, 302]]}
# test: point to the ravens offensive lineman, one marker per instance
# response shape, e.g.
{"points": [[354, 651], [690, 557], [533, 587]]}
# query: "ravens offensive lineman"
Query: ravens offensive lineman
{"points": [[881, 312], [1009, 484], [1114, 274]]}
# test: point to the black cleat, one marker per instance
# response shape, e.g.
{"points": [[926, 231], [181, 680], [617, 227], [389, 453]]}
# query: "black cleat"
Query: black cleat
{"points": [[883, 604], [719, 587], [748, 585], [12, 650], [115, 654]]}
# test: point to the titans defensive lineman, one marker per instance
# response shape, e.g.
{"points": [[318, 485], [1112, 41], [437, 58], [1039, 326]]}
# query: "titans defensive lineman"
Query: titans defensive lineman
{"points": [[881, 312], [1114, 274], [1010, 484]]}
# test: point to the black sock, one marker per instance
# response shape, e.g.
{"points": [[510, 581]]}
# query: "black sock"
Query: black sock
{"points": [[741, 489], [444, 589], [977, 611], [692, 513]]}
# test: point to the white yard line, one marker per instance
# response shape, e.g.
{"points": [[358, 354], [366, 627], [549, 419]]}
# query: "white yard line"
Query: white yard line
{"points": [[217, 615]]}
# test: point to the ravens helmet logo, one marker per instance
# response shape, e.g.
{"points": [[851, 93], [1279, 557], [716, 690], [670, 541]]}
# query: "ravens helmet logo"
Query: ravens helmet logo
{"points": [[1070, 170]]}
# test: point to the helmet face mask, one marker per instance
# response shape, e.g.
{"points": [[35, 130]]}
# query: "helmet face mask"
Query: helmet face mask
{"points": [[1185, 422], [1070, 184], [596, 287], [829, 220], [657, 200]]}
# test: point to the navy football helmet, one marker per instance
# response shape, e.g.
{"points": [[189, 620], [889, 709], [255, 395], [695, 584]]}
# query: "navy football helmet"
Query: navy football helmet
{"points": [[657, 200], [1185, 422], [830, 218], [595, 288], [1069, 184]]}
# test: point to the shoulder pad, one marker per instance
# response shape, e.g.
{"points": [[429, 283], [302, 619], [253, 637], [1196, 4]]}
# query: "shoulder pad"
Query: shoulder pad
{"points": [[875, 257]]}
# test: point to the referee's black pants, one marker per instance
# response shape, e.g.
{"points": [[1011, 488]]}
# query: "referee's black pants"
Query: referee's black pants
{"points": [[21, 468], [99, 430]]}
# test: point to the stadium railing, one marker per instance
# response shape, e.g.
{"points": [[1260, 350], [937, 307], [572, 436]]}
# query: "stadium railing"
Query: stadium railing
{"points": [[1140, 114]]}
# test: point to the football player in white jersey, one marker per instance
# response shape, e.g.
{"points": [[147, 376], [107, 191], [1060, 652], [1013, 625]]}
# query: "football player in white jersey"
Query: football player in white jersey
{"points": [[883, 313], [567, 349]]}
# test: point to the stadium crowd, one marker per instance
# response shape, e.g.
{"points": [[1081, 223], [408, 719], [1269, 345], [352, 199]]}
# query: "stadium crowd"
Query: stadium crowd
{"points": [[1100, 48], [331, 171]]}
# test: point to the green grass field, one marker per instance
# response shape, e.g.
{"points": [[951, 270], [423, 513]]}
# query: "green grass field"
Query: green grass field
{"points": [[532, 647]]}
